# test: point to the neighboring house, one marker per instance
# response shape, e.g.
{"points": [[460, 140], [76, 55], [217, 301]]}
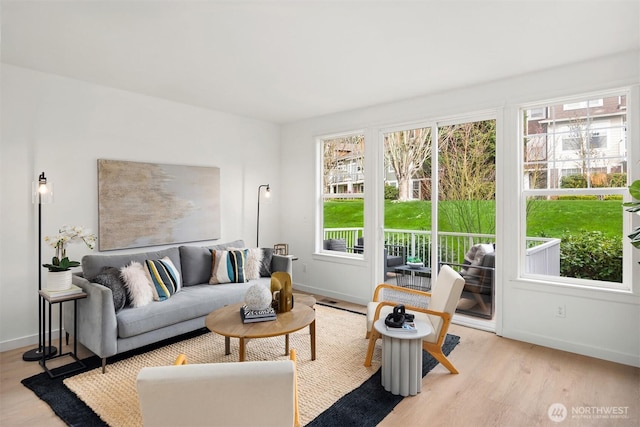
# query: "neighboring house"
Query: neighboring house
{"points": [[582, 138]]}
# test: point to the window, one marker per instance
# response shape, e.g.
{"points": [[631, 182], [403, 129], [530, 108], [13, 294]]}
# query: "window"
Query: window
{"points": [[583, 104], [342, 183], [573, 187]]}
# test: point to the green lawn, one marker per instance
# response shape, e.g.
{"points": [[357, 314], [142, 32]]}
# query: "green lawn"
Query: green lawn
{"points": [[547, 218]]}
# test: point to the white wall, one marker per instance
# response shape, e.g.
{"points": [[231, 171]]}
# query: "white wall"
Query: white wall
{"points": [[62, 126], [598, 323]]}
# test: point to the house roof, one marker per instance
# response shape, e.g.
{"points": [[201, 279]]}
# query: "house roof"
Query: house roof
{"points": [[283, 61]]}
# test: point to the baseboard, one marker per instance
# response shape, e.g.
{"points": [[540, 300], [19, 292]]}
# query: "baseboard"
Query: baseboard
{"points": [[28, 341], [328, 294], [574, 347]]}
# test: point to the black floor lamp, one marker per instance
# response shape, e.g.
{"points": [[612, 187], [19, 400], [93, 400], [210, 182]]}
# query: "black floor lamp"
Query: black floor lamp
{"points": [[41, 193], [267, 194]]}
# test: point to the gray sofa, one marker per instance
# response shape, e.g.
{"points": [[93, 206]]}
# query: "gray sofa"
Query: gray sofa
{"points": [[106, 332]]}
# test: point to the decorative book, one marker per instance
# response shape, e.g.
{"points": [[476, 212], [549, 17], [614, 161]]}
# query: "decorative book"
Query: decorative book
{"points": [[63, 293], [409, 327], [250, 316]]}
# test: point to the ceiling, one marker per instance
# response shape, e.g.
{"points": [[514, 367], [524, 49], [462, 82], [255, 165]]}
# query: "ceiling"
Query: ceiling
{"points": [[283, 61]]}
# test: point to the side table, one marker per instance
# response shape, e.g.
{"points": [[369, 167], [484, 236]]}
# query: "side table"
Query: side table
{"points": [[59, 300], [402, 358]]}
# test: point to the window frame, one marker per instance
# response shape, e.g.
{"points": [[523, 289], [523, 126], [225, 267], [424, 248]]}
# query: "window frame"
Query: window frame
{"points": [[626, 285], [321, 196]]}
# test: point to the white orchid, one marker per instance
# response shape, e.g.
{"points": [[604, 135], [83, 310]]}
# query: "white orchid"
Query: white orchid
{"points": [[59, 242]]}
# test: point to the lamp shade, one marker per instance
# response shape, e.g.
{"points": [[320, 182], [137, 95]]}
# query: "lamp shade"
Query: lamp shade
{"points": [[42, 191]]}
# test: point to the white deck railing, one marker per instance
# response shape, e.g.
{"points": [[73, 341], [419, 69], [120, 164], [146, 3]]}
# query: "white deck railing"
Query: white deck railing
{"points": [[542, 257]]}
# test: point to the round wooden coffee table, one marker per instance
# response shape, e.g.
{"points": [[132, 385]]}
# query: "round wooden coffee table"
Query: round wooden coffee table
{"points": [[226, 321]]}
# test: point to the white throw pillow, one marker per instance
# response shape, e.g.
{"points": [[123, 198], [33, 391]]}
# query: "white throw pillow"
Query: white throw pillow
{"points": [[137, 283]]}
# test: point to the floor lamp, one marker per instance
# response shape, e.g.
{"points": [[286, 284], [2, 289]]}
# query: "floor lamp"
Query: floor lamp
{"points": [[41, 193], [267, 194]]}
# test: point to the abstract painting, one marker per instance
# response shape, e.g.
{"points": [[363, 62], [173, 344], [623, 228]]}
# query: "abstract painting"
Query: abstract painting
{"points": [[148, 204]]}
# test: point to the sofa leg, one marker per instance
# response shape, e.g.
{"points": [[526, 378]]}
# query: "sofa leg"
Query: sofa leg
{"points": [[66, 335], [104, 364]]}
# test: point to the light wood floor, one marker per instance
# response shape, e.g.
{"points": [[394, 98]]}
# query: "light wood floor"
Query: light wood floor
{"points": [[501, 383]]}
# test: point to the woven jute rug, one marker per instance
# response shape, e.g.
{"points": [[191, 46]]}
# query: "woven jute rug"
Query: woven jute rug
{"points": [[340, 352]]}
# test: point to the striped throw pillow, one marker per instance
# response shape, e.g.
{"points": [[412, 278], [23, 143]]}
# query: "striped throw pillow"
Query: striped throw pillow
{"points": [[165, 278], [228, 266]]}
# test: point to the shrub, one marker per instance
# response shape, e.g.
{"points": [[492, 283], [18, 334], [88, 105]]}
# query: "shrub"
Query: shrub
{"points": [[391, 192], [591, 255], [573, 181]]}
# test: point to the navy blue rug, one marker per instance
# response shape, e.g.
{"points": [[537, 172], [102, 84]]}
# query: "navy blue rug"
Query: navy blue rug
{"points": [[369, 404]]}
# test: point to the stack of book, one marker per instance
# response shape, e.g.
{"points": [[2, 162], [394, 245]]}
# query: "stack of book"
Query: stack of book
{"points": [[406, 327], [250, 316], [63, 293]]}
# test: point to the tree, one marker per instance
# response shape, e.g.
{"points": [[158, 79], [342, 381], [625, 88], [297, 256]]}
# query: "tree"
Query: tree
{"points": [[467, 174], [406, 151], [340, 156]]}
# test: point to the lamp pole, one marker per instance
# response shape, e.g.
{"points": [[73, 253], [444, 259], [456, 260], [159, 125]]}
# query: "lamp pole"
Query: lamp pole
{"points": [[42, 193], [267, 193]]}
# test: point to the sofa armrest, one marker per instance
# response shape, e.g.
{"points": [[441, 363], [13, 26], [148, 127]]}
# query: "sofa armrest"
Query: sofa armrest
{"points": [[282, 263], [97, 325], [218, 394]]}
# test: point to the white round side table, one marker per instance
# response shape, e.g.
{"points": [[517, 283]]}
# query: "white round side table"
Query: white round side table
{"points": [[402, 358]]}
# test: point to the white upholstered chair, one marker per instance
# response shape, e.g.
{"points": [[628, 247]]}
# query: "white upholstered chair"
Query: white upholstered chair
{"points": [[435, 307], [254, 393]]}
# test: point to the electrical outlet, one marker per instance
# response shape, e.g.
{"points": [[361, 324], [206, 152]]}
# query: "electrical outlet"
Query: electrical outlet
{"points": [[304, 268], [561, 310]]}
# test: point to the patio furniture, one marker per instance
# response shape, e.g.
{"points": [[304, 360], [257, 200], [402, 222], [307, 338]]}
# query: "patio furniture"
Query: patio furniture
{"points": [[394, 255], [478, 271]]}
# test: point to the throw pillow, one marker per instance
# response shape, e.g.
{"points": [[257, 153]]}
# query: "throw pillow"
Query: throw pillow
{"points": [[196, 265], [110, 277], [137, 284], [254, 261], [164, 276], [228, 267], [474, 257], [265, 263]]}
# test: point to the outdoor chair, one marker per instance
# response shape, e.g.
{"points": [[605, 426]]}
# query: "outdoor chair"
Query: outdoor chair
{"points": [[394, 255], [478, 272], [435, 307]]}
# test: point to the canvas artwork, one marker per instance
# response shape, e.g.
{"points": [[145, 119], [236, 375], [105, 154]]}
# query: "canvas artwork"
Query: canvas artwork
{"points": [[148, 204]]}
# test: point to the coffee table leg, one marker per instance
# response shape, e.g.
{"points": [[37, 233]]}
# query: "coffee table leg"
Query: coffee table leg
{"points": [[286, 344], [227, 346], [242, 349], [312, 331]]}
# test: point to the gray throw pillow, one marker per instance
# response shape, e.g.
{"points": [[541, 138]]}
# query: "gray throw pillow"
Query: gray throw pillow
{"points": [[265, 264], [110, 277], [196, 265]]}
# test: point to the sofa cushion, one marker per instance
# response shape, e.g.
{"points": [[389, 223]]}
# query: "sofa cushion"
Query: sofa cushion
{"points": [[228, 266], [92, 264], [191, 302], [110, 277], [164, 277]]}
